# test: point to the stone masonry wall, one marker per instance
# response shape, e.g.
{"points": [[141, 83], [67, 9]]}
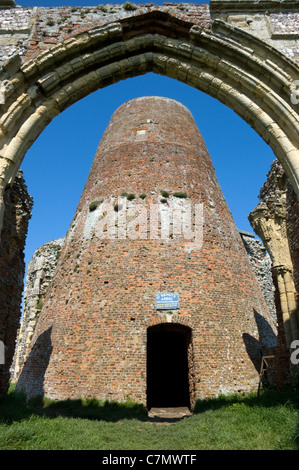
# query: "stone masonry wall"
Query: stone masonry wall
{"points": [[261, 264], [273, 21], [275, 220], [30, 31], [278, 192], [18, 205], [40, 272]]}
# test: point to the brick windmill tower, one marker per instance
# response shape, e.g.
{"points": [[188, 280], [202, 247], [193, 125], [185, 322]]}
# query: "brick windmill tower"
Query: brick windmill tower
{"points": [[153, 297]]}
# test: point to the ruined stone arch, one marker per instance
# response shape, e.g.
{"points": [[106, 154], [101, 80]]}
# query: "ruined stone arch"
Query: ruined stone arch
{"points": [[241, 71]]}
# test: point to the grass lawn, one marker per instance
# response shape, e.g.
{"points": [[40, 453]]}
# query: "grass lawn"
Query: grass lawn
{"points": [[267, 422]]}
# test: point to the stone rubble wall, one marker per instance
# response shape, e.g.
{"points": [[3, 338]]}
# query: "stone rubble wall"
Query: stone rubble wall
{"points": [[262, 265], [278, 366], [15, 30], [279, 197], [278, 29], [18, 205], [30, 31], [74, 52], [39, 275], [276, 221]]}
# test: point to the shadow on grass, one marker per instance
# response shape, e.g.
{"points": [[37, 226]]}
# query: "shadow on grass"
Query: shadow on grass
{"points": [[15, 407], [91, 409], [267, 399]]}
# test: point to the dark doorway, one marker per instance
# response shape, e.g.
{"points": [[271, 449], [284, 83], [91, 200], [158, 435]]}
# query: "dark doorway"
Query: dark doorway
{"points": [[167, 366]]}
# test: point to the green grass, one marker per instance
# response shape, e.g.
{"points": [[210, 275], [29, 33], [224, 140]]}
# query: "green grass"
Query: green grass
{"points": [[267, 422]]}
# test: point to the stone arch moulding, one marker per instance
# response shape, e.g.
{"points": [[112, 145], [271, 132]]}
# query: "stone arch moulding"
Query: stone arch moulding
{"points": [[241, 71]]}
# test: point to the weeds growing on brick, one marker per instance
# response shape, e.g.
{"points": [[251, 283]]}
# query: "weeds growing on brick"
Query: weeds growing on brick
{"points": [[129, 6], [93, 205], [180, 194]]}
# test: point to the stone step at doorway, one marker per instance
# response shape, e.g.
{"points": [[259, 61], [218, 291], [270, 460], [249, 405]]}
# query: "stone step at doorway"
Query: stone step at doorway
{"points": [[169, 415]]}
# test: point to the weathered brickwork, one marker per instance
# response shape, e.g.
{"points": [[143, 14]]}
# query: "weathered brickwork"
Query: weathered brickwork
{"points": [[44, 27], [18, 205], [29, 31], [42, 267], [91, 336]]}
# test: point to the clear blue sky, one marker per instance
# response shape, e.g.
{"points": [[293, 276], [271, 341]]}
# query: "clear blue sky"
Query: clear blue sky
{"points": [[57, 165]]}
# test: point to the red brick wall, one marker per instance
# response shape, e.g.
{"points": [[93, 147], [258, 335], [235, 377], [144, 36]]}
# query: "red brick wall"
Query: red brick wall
{"points": [[91, 338], [53, 25]]}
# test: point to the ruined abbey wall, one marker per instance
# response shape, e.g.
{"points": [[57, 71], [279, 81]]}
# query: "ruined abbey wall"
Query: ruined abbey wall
{"points": [[18, 205], [30, 31], [262, 267], [275, 220], [40, 272]]}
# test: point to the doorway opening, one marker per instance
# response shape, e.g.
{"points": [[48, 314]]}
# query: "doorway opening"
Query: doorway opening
{"points": [[168, 366]]}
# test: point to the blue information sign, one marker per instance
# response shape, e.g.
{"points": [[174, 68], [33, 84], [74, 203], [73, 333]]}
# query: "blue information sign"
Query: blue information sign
{"points": [[167, 300]]}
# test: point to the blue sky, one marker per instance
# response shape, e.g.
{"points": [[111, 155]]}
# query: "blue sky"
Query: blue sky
{"points": [[57, 165]]}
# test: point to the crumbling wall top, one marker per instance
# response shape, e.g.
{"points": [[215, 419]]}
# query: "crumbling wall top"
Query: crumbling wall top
{"points": [[226, 6]]}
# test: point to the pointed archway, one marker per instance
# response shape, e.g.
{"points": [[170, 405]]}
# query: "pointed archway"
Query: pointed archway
{"points": [[244, 73]]}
